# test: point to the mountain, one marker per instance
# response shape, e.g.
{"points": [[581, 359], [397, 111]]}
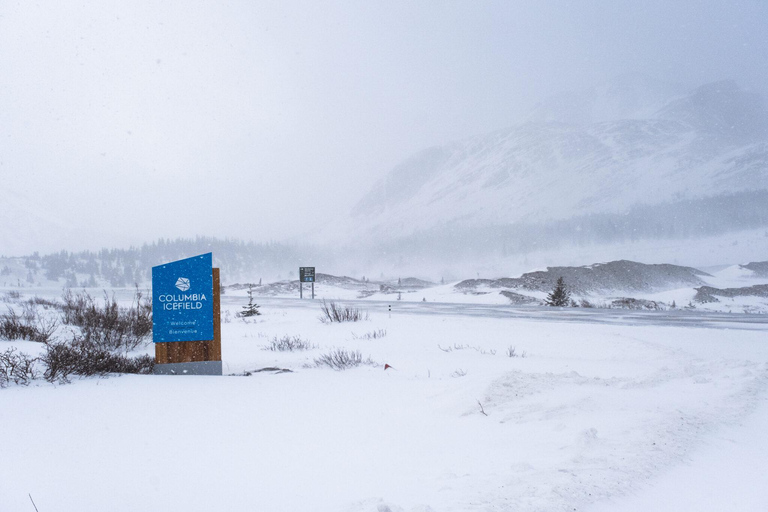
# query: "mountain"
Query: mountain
{"points": [[26, 222], [697, 165], [722, 109], [630, 96]]}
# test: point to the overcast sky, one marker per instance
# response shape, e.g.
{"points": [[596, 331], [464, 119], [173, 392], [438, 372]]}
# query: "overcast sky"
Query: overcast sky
{"points": [[134, 120]]}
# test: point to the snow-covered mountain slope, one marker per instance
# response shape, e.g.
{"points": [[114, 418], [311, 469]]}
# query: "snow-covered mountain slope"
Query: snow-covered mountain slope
{"points": [[26, 222], [708, 144], [629, 96]]}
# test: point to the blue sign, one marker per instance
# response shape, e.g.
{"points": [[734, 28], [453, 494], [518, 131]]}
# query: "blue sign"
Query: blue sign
{"points": [[182, 300]]}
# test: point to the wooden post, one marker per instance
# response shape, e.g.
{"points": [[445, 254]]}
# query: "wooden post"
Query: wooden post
{"points": [[216, 346], [196, 351]]}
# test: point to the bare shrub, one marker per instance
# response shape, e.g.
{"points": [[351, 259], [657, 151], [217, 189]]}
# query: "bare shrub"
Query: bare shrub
{"points": [[288, 344], [105, 329], [341, 359], [83, 357], [512, 353], [11, 296], [459, 346], [108, 325], [459, 373], [373, 335], [17, 367], [29, 325], [45, 303], [274, 370], [334, 312], [632, 303]]}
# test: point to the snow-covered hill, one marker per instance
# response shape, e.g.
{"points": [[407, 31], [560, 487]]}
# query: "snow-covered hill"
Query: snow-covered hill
{"points": [[26, 222], [628, 96], [702, 159]]}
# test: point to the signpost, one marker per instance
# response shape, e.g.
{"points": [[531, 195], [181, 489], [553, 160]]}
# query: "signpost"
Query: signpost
{"points": [[186, 317], [306, 275]]}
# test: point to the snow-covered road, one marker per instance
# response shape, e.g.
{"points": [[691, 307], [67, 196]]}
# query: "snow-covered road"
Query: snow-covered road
{"points": [[680, 317]]}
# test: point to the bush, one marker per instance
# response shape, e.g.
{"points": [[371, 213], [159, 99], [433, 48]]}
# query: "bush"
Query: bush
{"points": [[17, 367], [288, 344], [340, 359], [83, 357], [333, 312], [458, 346], [631, 303], [45, 303], [29, 325], [105, 329], [12, 295], [108, 325], [378, 333], [62, 360]]}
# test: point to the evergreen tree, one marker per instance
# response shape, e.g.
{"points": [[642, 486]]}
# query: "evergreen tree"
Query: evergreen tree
{"points": [[71, 279], [251, 309], [559, 296]]}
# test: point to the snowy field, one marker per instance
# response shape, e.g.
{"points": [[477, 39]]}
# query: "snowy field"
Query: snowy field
{"points": [[667, 296], [589, 415]]}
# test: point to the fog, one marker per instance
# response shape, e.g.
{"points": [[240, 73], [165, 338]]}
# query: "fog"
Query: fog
{"points": [[122, 122]]}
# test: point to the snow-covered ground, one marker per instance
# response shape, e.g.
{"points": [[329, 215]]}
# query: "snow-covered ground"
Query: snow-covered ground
{"points": [[594, 417], [729, 276]]}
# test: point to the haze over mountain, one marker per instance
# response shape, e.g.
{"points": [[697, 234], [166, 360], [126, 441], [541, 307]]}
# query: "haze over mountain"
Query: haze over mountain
{"points": [[637, 160], [627, 96], [632, 160], [260, 121], [25, 224]]}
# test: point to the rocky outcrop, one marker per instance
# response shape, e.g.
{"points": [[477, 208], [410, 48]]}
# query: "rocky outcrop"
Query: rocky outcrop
{"points": [[616, 275], [709, 294]]}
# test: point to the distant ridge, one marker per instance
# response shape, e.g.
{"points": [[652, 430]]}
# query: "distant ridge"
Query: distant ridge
{"points": [[619, 275]]}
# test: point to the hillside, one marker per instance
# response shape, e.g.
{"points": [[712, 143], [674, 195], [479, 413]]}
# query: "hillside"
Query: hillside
{"points": [[697, 166], [600, 277], [24, 222], [126, 267]]}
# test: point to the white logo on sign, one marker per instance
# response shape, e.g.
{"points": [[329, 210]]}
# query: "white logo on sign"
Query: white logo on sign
{"points": [[182, 284]]}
